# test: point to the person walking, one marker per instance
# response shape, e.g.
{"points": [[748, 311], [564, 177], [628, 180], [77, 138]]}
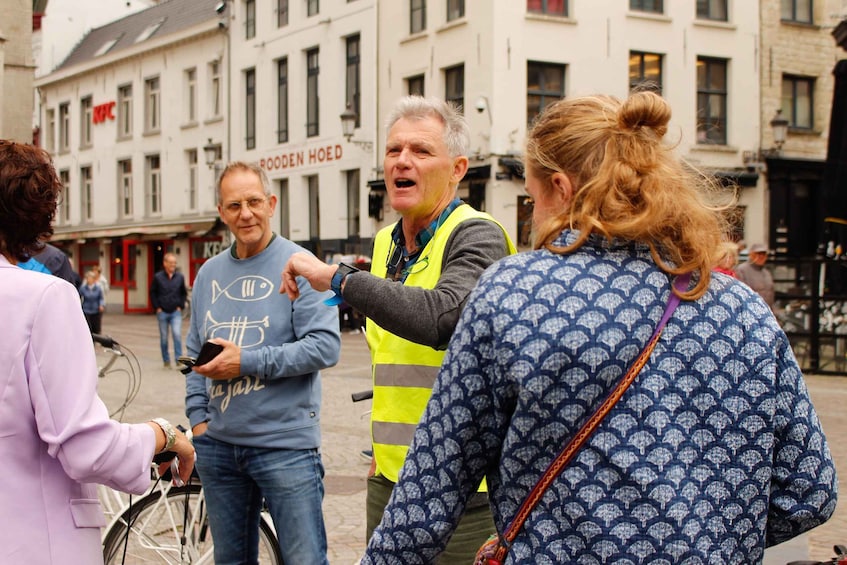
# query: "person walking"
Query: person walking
{"points": [[712, 453], [424, 267], [168, 294], [58, 440], [93, 301], [754, 273], [255, 408]]}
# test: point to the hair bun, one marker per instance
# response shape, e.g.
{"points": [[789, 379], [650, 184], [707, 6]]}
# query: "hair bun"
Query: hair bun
{"points": [[645, 109]]}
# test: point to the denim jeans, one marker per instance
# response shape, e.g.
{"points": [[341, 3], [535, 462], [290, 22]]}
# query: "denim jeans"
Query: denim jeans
{"points": [[235, 479], [174, 322]]}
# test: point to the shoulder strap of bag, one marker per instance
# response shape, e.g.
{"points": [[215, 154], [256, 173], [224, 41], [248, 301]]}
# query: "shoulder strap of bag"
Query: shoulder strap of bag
{"points": [[564, 457]]}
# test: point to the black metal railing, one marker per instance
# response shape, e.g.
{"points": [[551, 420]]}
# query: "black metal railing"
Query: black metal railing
{"points": [[811, 306]]}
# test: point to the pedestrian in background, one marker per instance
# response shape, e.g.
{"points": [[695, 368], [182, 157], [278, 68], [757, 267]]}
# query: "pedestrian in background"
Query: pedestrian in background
{"points": [[713, 453], [727, 258], [101, 279], [57, 439], [754, 273], [423, 269], [168, 295], [93, 301], [255, 407]]}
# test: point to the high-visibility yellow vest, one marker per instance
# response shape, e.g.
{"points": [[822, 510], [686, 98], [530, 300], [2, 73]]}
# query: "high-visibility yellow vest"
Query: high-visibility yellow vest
{"points": [[404, 372]]}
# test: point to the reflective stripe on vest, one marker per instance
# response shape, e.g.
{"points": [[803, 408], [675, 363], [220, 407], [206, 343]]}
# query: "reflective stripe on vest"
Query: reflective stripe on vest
{"points": [[403, 371]]}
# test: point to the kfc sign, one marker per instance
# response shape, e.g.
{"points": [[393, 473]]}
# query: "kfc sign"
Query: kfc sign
{"points": [[103, 112]]}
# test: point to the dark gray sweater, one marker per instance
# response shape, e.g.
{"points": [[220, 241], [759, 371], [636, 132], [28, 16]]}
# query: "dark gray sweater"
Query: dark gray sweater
{"points": [[429, 316]]}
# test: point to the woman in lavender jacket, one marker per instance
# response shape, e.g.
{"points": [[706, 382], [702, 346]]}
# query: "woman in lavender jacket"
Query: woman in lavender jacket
{"points": [[56, 437]]}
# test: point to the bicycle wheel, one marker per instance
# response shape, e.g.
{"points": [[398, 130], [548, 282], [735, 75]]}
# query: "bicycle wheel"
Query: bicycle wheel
{"points": [[156, 532]]}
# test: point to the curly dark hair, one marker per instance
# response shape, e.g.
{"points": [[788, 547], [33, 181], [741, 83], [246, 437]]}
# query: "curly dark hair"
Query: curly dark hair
{"points": [[29, 191]]}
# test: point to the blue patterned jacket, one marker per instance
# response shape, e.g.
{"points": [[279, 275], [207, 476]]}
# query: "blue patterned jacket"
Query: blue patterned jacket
{"points": [[714, 452]]}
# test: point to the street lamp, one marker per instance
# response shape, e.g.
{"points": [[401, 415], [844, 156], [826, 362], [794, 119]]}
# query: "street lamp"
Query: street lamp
{"points": [[779, 125], [210, 150], [779, 130], [348, 125]]}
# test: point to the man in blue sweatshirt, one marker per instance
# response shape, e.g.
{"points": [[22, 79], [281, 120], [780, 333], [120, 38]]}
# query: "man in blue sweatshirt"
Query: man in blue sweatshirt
{"points": [[255, 408]]}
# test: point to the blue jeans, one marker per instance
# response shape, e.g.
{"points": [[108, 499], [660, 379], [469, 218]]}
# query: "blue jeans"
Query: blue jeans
{"points": [[235, 479], [174, 322]]}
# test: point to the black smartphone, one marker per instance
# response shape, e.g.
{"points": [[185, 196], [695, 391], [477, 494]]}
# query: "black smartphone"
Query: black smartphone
{"points": [[208, 352]]}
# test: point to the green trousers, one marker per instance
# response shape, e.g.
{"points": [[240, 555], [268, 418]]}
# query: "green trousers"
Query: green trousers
{"points": [[476, 525]]}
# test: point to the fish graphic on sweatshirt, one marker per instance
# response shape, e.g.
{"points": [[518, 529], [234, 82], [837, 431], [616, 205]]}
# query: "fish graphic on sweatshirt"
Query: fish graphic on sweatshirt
{"points": [[248, 288]]}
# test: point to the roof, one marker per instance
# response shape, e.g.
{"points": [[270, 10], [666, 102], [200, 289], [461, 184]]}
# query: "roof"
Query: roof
{"points": [[168, 17]]}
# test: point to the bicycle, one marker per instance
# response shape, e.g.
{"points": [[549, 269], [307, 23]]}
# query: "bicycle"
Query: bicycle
{"points": [[169, 524], [131, 370]]}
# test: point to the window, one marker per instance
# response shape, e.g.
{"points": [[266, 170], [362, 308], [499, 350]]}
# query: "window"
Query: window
{"points": [[454, 86], [249, 19], [154, 185], [152, 111], [455, 9], [645, 71], [353, 203], [125, 187], [281, 13], [193, 180], [250, 108], [711, 100], [548, 7], [312, 114], [354, 92], [545, 83], [712, 10], [314, 208], [798, 101], [191, 95], [415, 85], [797, 11], [86, 116], [50, 134], [647, 6], [63, 214], [215, 89], [284, 207], [312, 8], [125, 111], [85, 192], [282, 101], [417, 16], [64, 126]]}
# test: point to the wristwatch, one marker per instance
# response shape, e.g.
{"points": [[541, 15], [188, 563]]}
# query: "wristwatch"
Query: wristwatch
{"points": [[170, 433], [338, 278]]}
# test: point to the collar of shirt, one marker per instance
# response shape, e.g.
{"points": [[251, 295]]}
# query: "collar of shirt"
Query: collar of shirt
{"points": [[422, 238]]}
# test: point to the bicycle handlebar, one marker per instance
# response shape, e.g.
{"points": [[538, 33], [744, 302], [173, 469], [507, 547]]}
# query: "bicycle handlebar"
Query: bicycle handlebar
{"points": [[363, 395], [104, 340]]}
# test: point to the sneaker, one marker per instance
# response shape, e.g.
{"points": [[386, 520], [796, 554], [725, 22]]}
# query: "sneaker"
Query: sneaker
{"points": [[167, 364], [367, 454]]}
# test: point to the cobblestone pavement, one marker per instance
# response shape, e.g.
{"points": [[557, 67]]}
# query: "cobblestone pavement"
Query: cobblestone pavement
{"points": [[345, 433]]}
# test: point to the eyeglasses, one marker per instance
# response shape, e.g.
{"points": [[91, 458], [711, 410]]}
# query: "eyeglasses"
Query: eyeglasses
{"points": [[255, 204]]}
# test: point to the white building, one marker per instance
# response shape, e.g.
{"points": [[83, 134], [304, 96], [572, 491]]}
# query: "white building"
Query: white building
{"points": [[126, 117], [505, 60], [295, 67]]}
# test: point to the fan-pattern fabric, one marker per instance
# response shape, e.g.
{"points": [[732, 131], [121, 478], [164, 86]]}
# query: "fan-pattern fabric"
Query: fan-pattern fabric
{"points": [[714, 452]]}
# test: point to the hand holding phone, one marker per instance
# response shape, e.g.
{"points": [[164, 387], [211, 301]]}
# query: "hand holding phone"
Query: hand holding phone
{"points": [[208, 352]]}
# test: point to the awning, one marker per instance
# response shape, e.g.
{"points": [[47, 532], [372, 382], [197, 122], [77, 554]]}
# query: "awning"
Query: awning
{"points": [[195, 227], [729, 179], [512, 165]]}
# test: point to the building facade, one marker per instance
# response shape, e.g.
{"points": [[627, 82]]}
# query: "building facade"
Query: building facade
{"points": [[16, 72], [127, 117]]}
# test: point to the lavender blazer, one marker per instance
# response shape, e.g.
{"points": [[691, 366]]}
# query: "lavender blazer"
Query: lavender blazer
{"points": [[56, 437]]}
